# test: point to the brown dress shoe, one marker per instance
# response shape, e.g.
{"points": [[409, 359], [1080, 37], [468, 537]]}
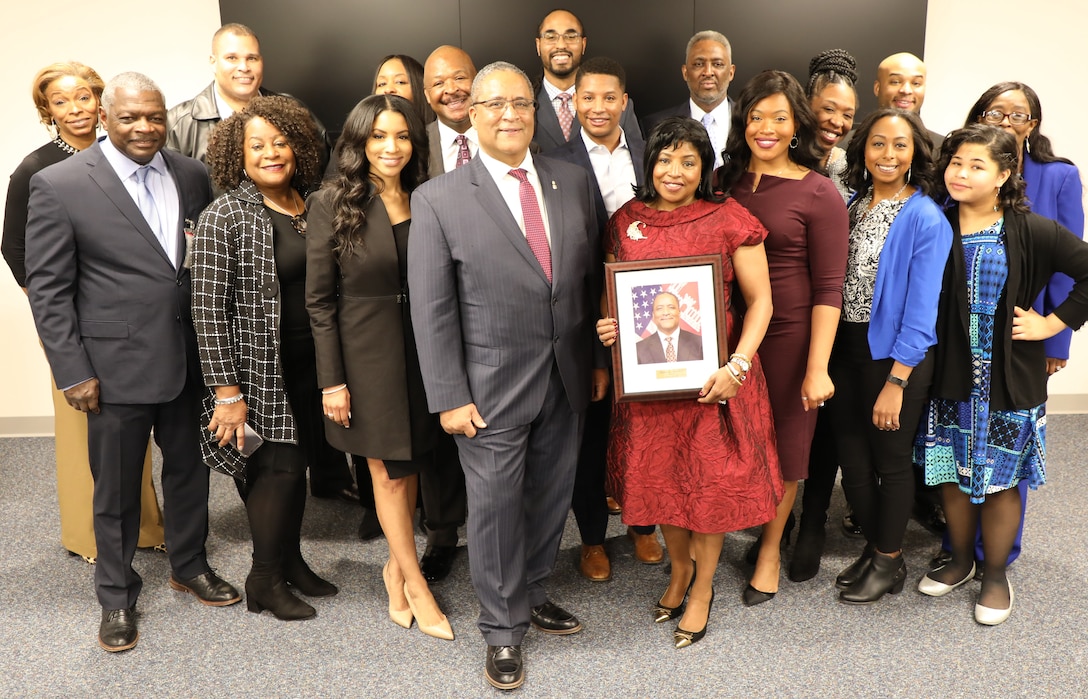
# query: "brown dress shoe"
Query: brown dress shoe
{"points": [[647, 548], [613, 506], [595, 565]]}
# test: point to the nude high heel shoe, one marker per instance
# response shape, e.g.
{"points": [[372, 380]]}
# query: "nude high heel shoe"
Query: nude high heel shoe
{"points": [[400, 617], [441, 630]]}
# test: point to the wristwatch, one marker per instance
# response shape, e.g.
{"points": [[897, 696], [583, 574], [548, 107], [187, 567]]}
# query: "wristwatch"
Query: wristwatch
{"points": [[901, 383]]}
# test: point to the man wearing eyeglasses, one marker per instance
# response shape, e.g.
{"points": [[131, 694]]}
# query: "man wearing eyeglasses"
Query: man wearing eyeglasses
{"points": [[561, 44], [901, 84], [504, 268]]}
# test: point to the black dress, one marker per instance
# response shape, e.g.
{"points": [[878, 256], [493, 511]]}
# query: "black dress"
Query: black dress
{"points": [[18, 200]]}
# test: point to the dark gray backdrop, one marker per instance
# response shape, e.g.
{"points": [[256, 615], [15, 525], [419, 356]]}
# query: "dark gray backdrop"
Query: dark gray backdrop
{"points": [[325, 51]]}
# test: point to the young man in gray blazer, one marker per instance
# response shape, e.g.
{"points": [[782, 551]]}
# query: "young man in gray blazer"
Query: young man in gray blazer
{"points": [[108, 279], [504, 271]]}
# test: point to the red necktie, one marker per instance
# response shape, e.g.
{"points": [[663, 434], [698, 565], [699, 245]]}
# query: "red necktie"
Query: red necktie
{"points": [[463, 153], [566, 119], [534, 224]]}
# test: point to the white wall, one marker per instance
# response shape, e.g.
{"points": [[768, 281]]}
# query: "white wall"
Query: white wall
{"points": [[971, 46], [170, 43], [968, 48]]}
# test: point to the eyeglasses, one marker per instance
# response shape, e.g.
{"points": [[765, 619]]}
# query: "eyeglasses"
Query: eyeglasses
{"points": [[995, 117], [551, 37], [520, 105]]}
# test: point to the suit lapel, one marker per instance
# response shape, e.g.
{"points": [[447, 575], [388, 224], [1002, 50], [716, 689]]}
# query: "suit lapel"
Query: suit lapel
{"points": [[487, 192], [553, 201], [186, 196], [106, 178]]}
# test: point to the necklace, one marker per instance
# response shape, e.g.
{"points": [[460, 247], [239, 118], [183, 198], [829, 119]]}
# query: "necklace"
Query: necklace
{"points": [[297, 220], [872, 206], [65, 146]]}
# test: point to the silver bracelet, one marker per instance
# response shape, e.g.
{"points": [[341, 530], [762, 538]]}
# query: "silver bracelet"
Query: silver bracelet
{"points": [[339, 388], [230, 401], [742, 361]]}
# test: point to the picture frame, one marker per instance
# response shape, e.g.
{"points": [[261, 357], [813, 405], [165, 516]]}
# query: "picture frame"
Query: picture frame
{"points": [[647, 365]]}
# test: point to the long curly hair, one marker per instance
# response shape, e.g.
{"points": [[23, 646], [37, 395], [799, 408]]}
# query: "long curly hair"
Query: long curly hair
{"points": [[353, 187], [1039, 148], [1001, 147], [294, 121], [921, 166], [738, 153]]}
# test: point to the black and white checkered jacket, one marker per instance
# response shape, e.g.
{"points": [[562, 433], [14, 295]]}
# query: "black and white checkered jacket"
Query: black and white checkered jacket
{"points": [[236, 312]]}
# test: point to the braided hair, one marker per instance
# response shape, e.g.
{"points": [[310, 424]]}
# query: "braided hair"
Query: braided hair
{"points": [[831, 66]]}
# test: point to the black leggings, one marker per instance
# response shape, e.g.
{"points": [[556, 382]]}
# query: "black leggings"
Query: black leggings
{"points": [[877, 466]]}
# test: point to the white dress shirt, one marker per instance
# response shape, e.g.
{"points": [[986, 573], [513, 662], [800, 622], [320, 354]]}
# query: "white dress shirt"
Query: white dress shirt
{"points": [[448, 138], [718, 128], [162, 186], [510, 188], [615, 171]]}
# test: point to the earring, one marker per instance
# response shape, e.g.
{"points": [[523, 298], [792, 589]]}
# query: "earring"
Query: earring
{"points": [[1027, 146], [794, 141], [909, 169], [997, 198], [865, 174]]}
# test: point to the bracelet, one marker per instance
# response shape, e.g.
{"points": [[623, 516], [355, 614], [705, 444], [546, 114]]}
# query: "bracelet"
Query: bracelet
{"points": [[230, 401], [331, 391], [742, 361], [735, 375]]}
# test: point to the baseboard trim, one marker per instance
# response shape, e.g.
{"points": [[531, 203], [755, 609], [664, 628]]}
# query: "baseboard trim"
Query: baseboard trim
{"points": [[33, 426], [1067, 404]]}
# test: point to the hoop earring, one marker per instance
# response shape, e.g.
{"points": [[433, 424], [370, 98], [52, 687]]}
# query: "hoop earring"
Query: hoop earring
{"points": [[794, 142]]}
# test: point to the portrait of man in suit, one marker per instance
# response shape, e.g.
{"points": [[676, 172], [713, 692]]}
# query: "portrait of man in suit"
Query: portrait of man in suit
{"points": [[110, 291], [670, 343], [504, 267]]}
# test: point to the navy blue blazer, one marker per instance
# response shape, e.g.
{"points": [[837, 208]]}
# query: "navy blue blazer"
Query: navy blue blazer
{"points": [[549, 135], [574, 151]]}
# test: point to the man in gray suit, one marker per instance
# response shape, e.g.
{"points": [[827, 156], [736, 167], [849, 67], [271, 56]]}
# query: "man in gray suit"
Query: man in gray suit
{"points": [[504, 268], [447, 78], [561, 43], [708, 69], [686, 346], [108, 279]]}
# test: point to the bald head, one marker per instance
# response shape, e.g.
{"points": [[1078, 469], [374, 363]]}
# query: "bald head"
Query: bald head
{"points": [[901, 82], [447, 80]]}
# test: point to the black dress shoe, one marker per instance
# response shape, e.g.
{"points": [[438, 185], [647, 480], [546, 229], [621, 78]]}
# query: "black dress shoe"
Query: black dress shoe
{"points": [[683, 639], [942, 558], [807, 553], [209, 588], [503, 668], [551, 618], [117, 632], [437, 562], [752, 596], [885, 574], [931, 516], [851, 528], [853, 572]]}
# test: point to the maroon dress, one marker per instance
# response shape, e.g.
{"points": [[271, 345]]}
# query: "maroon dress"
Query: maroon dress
{"points": [[707, 468], [807, 239]]}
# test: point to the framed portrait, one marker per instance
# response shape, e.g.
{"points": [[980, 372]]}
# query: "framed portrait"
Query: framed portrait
{"points": [[671, 317]]}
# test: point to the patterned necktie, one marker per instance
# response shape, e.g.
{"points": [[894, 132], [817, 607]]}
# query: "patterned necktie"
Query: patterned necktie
{"points": [[146, 202], [566, 119], [670, 351], [463, 153], [534, 223]]}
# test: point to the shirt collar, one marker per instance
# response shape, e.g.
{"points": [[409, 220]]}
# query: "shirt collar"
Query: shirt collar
{"points": [[446, 135], [721, 113], [554, 91], [498, 169], [221, 107], [125, 166], [591, 144]]}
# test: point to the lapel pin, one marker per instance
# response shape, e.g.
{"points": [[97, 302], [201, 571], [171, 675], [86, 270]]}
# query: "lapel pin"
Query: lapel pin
{"points": [[554, 186]]}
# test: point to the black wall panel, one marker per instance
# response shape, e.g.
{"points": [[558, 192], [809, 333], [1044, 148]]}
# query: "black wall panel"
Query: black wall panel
{"points": [[325, 51]]}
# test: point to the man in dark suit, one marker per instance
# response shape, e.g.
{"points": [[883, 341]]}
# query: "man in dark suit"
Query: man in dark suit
{"points": [[603, 149], [708, 69], [561, 43], [901, 83], [685, 346], [447, 78], [109, 287], [505, 276]]}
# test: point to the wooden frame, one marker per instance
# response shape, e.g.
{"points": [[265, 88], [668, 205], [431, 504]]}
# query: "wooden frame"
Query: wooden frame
{"points": [[640, 369]]}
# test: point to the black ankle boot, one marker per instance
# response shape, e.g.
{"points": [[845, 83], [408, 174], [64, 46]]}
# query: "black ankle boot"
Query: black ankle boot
{"points": [[808, 550], [885, 574], [852, 573], [299, 576], [266, 589]]}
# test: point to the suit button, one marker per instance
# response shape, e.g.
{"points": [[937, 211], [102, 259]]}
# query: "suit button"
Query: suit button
{"points": [[555, 302], [179, 282], [555, 339], [177, 318]]}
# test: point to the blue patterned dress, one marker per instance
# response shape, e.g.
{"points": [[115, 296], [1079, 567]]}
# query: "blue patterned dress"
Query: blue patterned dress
{"points": [[984, 451]]}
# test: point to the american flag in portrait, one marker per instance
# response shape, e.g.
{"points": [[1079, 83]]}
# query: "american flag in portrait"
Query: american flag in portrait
{"points": [[642, 310]]}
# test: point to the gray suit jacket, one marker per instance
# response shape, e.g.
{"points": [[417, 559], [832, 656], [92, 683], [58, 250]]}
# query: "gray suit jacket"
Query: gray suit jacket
{"points": [[435, 166], [106, 299], [574, 151], [489, 326], [549, 134]]}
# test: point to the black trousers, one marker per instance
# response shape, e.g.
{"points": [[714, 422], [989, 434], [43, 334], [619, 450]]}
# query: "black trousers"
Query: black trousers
{"points": [[117, 442], [877, 465]]}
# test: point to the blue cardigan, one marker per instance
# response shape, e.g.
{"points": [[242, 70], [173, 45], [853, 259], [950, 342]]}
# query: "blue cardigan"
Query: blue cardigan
{"points": [[1054, 190], [908, 282]]}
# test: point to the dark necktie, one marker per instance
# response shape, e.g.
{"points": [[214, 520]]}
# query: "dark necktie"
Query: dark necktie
{"points": [[463, 153], [534, 223]]}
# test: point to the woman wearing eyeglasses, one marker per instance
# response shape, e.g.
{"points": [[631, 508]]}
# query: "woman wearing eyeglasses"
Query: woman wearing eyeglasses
{"points": [[1054, 191]]}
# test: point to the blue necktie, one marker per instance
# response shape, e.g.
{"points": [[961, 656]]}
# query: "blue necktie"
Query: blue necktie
{"points": [[146, 202]]}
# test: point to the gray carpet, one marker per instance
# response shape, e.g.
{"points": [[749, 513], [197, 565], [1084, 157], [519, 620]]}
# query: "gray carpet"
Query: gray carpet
{"points": [[804, 643]]}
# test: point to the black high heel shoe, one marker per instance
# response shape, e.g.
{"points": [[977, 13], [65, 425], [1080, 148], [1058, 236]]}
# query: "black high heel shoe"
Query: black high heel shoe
{"points": [[752, 596], [683, 639], [663, 613], [753, 551], [808, 550]]}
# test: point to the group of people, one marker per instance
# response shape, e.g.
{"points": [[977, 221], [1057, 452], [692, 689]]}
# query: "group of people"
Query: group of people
{"points": [[428, 299]]}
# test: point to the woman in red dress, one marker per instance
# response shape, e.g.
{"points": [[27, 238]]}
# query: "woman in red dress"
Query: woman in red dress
{"points": [[706, 467], [774, 170]]}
